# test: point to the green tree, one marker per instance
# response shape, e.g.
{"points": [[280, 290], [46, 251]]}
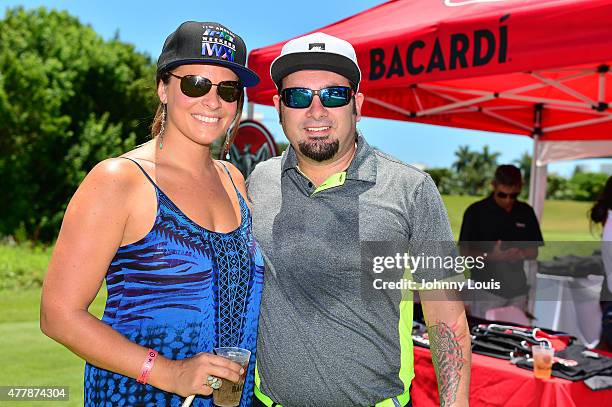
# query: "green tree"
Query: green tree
{"points": [[524, 164], [474, 169], [586, 186], [68, 99], [444, 179], [557, 187], [465, 158], [439, 174]]}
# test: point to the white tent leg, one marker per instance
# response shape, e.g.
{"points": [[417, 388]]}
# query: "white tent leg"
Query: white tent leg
{"points": [[538, 180], [537, 195], [531, 273], [541, 183]]}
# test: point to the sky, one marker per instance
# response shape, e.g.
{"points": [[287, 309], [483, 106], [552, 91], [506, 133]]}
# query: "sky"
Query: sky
{"points": [[146, 23]]}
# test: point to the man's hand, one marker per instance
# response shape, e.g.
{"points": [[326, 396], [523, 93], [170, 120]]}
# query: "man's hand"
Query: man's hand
{"points": [[499, 254]]}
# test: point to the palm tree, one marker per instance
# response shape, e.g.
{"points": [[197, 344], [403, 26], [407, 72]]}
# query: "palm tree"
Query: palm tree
{"points": [[489, 159], [465, 158], [524, 164], [475, 169]]}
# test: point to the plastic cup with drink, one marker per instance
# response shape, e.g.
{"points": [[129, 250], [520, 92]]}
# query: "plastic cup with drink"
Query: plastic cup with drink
{"points": [[543, 356], [229, 394]]}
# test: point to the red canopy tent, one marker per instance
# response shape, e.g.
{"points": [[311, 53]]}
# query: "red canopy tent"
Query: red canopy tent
{"points": [[483, 65], [538, 68]]}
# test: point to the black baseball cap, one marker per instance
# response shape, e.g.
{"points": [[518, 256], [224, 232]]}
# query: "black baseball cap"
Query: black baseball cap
{"points": [[206, 43]]}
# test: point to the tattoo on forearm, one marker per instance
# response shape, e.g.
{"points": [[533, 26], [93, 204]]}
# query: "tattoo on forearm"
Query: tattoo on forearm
{"points": [[448, 360]]}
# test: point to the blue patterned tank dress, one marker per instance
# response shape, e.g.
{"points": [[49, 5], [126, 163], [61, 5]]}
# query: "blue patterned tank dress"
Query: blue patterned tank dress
{"points": [[181, 290]]}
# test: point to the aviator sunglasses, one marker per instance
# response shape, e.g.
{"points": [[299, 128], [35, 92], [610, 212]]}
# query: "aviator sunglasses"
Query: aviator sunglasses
{"points": [[301, 98], [195, 86]]}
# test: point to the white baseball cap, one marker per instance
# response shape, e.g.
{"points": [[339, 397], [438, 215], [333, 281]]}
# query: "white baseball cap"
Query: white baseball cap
{"points": [[317, 51]]}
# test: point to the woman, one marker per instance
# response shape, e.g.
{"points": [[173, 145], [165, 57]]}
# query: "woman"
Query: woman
{"points": [[601, 212], [170, 230]]}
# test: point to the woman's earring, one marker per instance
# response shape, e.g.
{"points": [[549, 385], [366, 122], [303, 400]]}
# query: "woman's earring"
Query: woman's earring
{"points": [[162, 128], [226, 146]]}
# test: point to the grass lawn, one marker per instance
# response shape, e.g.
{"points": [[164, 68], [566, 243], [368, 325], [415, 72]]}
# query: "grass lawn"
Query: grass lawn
{"points": [[30, 358], [568, 221], [22, 267]]}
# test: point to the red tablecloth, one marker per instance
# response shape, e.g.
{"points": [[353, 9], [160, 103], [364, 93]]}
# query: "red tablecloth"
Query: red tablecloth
{"points": [[495, 382]]}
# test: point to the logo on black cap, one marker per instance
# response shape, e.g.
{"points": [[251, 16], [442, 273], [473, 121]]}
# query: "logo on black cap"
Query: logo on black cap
{"points": [[218, 42]]}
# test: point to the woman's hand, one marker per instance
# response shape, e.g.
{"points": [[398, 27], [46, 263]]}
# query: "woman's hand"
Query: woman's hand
{"points": [[189, 376]]}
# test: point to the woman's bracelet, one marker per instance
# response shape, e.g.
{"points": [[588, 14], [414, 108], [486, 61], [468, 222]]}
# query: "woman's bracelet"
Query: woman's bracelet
{"points": [[147, 365]]}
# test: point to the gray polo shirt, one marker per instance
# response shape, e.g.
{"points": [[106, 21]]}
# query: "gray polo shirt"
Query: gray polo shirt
{"points": [[324, 339]]}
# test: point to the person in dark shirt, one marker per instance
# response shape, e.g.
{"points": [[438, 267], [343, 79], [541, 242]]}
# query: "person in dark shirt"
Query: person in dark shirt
{"points": [[601, 213], [505, 231]]}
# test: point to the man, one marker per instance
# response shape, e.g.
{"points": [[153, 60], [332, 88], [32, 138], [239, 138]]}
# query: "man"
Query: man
{"points": [[507, 230], [321, 340]]}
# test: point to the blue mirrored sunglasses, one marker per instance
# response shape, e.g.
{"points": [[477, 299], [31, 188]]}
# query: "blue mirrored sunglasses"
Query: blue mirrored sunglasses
{"points": [[301, 98]]}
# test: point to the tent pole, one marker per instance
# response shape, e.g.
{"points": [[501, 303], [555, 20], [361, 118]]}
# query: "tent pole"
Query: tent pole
{"points": [[533, 172], [588, 122], [533, 178], [564, 88], [250, 110], [531, 266]]}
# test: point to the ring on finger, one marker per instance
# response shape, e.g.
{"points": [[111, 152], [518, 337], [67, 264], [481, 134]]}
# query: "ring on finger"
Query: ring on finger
{"points": [[213, 382]]}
